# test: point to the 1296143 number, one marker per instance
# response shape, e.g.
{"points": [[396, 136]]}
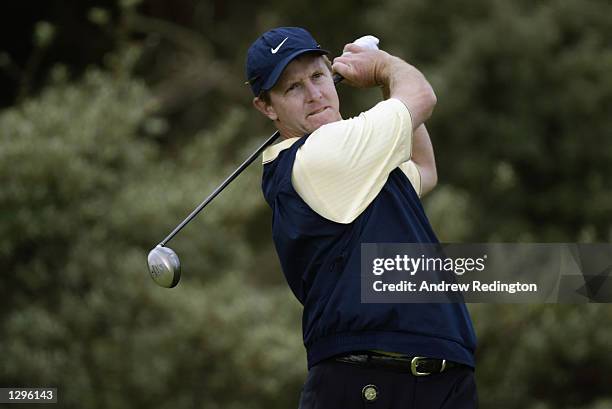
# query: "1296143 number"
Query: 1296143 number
{"points": [[31, 395], [28, 395]]}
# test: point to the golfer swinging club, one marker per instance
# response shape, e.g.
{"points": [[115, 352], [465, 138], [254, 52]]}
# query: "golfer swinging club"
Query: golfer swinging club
{"points": [[333, 184]]}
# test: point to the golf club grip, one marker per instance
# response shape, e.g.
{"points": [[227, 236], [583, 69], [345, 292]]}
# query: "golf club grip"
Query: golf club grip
{"points": [[337, 78]]}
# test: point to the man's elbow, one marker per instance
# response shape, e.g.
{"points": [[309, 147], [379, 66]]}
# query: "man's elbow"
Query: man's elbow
{"points": [[432, 100]]}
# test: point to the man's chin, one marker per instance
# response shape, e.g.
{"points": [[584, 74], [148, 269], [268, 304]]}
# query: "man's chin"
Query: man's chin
{"points": [[318, 120]]}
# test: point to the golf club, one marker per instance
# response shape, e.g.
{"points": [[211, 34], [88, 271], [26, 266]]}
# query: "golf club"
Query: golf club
{"points": [[164, 264]]}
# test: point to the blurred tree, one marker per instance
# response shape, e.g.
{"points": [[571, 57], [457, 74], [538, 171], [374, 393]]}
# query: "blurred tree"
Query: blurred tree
{"points": [[543, 356], [524, 110], [85, 191]]}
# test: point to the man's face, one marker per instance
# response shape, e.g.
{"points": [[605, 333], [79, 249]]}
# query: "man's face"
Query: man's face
{"points": [[304, 98]]}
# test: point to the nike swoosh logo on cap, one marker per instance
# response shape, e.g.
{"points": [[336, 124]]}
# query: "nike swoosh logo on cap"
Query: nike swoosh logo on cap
{"points": [[275, 50]]}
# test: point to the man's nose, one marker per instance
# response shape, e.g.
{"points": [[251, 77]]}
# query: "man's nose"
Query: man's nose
{"points": [[312, 91]]}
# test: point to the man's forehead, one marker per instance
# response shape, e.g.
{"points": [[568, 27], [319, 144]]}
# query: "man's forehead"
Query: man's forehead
{"points": [[302, 65]]}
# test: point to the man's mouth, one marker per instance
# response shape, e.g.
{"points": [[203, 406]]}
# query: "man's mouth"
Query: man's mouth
{"points": [[318, 111]]}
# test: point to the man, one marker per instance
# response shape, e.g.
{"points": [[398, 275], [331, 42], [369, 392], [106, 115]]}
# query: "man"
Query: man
{"points": [[333, 184]]}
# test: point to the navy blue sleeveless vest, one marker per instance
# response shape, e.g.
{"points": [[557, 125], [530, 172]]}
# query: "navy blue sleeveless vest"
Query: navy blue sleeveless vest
{"points": [[321, 262]]}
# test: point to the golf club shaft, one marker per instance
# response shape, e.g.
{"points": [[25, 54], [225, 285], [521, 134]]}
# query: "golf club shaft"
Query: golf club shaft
{"points": [[245, 164], [218, 190]]}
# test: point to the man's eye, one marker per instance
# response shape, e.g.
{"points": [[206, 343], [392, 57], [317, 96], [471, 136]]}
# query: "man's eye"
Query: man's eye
{"points": [[317, 75], [292, 87]]}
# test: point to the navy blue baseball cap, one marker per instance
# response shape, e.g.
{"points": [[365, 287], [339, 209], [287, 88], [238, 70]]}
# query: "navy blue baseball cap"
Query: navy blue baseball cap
{"points": [[273, 51]]}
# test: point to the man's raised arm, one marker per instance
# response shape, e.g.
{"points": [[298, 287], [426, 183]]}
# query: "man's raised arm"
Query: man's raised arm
{"points": [[400, 80]]}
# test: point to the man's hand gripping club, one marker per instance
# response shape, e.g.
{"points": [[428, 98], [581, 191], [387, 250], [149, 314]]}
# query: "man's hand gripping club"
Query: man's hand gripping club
{"points": [[365, 68]]}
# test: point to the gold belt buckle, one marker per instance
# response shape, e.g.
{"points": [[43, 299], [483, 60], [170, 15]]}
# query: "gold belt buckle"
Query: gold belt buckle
{"points": [[414, 363]]}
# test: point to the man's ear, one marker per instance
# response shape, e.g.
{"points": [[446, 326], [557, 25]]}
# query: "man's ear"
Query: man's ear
{"points": [[266, 109]]}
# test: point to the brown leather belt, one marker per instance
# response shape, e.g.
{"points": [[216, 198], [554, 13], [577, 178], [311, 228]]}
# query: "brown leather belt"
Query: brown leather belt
{"points": [[418, 365]]}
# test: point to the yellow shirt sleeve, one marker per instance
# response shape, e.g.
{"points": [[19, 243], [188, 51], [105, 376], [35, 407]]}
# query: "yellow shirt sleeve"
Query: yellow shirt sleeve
{"points": [[343, 165], [412, 173]]}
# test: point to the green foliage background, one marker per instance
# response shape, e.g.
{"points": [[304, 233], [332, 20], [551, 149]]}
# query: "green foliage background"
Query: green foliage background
{"points": [[99, 162]]}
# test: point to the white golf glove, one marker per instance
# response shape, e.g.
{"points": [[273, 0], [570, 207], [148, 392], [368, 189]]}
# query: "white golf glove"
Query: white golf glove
{"points": [[369, 42]]}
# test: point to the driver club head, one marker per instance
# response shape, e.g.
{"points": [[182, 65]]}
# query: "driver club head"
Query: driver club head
{"points": [[164, 266]]}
